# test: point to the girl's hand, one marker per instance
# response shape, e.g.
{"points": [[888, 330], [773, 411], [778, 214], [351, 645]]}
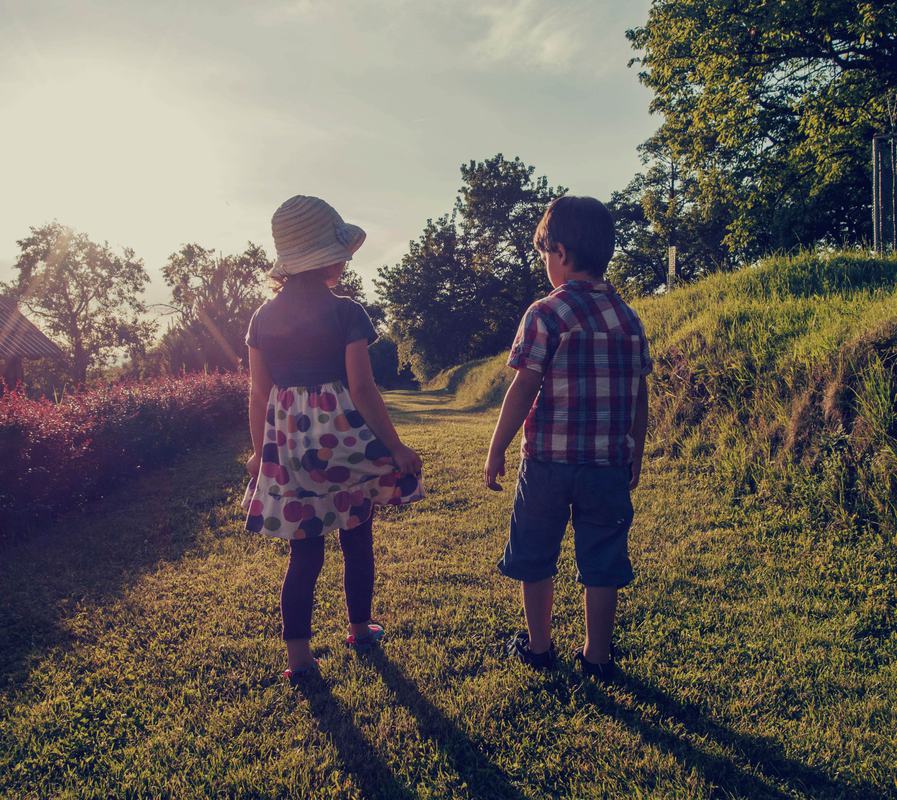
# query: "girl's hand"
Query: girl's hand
{"points": [[407, 461], [253, 465], [494, 469]]}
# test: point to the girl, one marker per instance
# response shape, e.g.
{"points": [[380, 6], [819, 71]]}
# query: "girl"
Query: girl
{"points": [[325, 450]]}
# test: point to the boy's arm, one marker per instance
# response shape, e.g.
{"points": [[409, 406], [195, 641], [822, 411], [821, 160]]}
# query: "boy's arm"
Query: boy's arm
{"points": [[517, 403], [639, 431]]}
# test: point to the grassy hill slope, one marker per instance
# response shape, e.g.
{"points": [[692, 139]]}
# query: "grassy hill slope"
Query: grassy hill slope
{"points": [[780, 378]]}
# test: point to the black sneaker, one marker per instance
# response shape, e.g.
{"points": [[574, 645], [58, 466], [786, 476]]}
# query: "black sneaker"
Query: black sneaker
{"points": [[604, 673], [518, 647]]}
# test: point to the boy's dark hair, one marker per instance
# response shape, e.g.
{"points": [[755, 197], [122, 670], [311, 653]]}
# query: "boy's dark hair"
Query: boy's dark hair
{"points": [[584, 226]]}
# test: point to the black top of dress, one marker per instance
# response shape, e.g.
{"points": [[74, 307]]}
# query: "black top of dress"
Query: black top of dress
{"points": [[303, 332]]}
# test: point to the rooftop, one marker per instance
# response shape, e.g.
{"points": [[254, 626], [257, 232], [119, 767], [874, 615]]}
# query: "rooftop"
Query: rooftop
{"points": [[19, 337]]}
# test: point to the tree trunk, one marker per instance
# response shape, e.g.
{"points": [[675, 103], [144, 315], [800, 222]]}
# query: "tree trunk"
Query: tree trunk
{"points": [[13, 373], [79, 364]]}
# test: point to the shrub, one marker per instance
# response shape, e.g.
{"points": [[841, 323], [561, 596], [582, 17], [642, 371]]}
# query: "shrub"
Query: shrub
{"points": [[58, 456], [385, 366]]}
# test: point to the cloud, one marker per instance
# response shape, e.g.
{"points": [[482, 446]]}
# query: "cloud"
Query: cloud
{"points": [[284, 11], [559, 36]]}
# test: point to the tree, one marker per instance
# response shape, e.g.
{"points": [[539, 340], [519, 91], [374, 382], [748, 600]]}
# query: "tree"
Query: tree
{"points": [[460, 290], [660, 207], [86, 296], [498, 207], [639, 263], [771, 106], [388, 372], [430, 298], [213, 296]]}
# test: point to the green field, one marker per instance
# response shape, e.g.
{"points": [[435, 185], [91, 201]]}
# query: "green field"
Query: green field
{"points": [[141, 656]]}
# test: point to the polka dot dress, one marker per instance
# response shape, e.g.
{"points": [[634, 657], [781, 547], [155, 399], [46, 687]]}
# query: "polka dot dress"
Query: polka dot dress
{"points": [[322, 467]]}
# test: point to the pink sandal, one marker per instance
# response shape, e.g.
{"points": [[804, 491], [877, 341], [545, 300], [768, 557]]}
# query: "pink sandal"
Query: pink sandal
{"points": [[364, 643]]}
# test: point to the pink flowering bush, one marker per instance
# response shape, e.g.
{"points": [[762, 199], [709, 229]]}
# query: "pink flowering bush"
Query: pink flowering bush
{"points": [[56, 456]]}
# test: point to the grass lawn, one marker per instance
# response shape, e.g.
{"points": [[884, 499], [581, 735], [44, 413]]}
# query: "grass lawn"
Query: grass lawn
{"points": [[140, 653]]}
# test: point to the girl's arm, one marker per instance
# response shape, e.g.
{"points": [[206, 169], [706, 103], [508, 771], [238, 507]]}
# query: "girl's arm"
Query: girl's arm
{"points": [[517, 403], [369, 403], [260, 388]]}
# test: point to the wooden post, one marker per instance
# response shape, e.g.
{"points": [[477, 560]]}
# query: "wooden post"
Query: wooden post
{"points": [[876, 204], [884, 192], [672, 270], [891, 140]]}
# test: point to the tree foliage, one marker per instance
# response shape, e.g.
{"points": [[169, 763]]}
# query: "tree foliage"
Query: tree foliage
{"points": [[660, 207], [430, 299], [87, 298], [460, 289], [498, 207], [769, 107], [213, 296], [387, 370]]}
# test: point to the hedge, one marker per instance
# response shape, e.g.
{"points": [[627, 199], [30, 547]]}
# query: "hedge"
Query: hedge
{"points": [[55, 456]]}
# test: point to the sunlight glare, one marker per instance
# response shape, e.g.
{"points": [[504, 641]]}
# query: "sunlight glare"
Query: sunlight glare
{"points": [[104, 151]]}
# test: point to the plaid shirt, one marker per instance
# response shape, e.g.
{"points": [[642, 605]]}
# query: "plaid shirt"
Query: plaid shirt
{"points": [[592, 351]]}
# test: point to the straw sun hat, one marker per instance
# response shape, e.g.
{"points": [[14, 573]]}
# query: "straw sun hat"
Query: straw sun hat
{"points": [[309, 234]]}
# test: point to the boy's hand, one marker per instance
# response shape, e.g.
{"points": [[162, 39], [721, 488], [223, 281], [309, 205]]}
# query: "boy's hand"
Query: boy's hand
{"points": [[495, 468], [407, 461], [635, 471], [253, 465]]}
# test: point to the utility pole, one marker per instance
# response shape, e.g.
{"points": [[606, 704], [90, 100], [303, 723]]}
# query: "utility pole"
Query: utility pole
{"points": [[884, 177], [672, 267]]}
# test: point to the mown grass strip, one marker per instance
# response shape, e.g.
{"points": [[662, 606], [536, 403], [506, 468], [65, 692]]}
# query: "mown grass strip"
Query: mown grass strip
{"points": [[141, 656]]}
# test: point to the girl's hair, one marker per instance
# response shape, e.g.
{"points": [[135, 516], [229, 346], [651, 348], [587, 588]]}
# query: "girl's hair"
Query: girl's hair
{"points": [[584, 226], [277, 282]]}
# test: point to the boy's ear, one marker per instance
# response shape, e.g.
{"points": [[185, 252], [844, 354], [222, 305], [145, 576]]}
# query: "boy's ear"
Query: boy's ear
{"points": [[563, 255]]}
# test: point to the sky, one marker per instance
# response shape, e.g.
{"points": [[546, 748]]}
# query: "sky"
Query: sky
{"points": [[152, 124]]}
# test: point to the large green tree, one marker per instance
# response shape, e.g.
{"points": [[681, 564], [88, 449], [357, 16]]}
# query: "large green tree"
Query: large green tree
{"points": [[662, 206], [497, 209], [87, 297], [460, 290], [431, 300], [771, 105], [213, 296]]}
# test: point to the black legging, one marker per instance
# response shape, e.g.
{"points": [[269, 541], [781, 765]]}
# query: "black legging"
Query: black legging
{"points": [[306, 560]]}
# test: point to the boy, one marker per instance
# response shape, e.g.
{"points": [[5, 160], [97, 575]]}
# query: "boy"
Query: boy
{"points": [[580, 391]]}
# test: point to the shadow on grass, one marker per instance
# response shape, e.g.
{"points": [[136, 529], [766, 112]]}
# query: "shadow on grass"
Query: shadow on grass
{"points": [[86, 558], [361, 760], [482, 777], [722, 772]]}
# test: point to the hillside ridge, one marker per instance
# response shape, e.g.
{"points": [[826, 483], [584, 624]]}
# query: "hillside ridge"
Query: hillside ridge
{"points": [[781, 378]]}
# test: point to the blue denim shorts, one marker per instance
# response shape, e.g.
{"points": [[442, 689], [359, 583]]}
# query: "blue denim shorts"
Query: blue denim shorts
{"points": [[546, 493]]}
